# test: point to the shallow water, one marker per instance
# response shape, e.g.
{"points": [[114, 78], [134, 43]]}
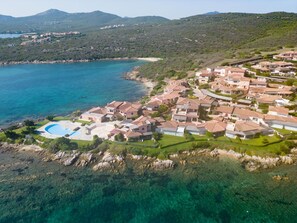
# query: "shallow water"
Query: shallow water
{"points": [[35, 90], [211, 190]]}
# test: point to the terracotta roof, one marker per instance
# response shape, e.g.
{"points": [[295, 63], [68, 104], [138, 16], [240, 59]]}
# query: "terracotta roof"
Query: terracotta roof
{"points": [[142, 120], [279, 110], [114, 104], [268, 98], [280, 118], [245, 113], [131, 134], [225, 109], [245, 126], [215, 126]]}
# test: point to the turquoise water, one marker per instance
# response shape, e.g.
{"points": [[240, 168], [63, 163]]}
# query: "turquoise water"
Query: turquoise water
{"points": [[57, 129], [36, 90], [207, 190]]}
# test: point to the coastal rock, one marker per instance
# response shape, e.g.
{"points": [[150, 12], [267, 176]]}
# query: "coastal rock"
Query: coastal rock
{"points": [[71, 160], [162, 164], [294, 151], [279, 178], [252, 166], [102, 166], [214, 153], [108, 157], [59, 155], [85, 159], [173, 156], [287, 160], [137, 157], [31, 148]]}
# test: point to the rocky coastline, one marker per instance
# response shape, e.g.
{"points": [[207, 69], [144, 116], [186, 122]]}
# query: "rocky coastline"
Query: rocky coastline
{"points": [[134, 76], [108, 162]]}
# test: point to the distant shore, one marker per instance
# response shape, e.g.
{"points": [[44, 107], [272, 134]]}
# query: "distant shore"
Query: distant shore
{"points": [[148, 59]]}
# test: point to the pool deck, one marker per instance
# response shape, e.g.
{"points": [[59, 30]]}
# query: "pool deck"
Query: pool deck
{"points": [[85, 133]]}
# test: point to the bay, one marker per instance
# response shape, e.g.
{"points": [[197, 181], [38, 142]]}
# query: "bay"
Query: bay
{"points": [[37, 90]]}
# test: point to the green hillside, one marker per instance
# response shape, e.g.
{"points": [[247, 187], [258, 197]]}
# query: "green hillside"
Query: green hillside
{"points": [[184, 44], [58, 21]]}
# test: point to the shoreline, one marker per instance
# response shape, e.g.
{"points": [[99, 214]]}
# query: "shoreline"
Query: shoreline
{"points": [[107, 161], [147, 59]]}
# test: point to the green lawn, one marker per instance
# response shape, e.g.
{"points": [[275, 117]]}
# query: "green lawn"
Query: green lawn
{"points": [[285, 131]]}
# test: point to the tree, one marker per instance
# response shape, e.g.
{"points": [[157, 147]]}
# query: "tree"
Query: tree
{"points": [[11, 134], [50, 117], [188, 136], [119, 137], [96, 141], [28, 130], [29, 123]]}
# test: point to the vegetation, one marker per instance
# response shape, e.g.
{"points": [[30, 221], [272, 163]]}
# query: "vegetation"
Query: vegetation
{"points": [[184, 44]]}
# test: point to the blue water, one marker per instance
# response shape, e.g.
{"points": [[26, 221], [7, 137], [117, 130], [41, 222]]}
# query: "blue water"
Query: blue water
{"points": [[8, 36], [57, 129], [37, 90]]}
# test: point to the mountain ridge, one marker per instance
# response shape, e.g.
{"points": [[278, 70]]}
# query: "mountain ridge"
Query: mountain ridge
{"points": [[57, 20]]}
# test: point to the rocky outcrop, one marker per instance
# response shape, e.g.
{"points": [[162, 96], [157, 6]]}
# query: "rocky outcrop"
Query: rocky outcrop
{"points": [[85, 159], [162, 164], [102, 166], [253, 163], [109, 162]]}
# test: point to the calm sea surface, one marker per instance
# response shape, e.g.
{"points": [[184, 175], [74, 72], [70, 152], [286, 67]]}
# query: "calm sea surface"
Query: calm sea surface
{"points": [[210, 190], [35, 90]]}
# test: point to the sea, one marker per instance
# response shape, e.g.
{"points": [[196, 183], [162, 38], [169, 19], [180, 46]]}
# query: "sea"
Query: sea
{"points": [[37, 90], [204, 190], [207, 190]]}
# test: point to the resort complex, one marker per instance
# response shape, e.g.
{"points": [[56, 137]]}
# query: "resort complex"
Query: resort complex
{"points": [[243, 101]]}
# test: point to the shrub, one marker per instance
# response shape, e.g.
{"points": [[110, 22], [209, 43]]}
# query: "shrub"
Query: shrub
{"points": [[157, 136], [62, 144], [136, 151], [265, 141], [188, 136], [199, 145]]}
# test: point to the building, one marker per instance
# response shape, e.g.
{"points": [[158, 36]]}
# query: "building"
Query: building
{"points": [[186, 110], [278, 111], [97, 114], [246, 130], [289, 56]]}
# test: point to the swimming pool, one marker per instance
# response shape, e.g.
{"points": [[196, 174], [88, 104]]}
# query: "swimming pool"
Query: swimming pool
{"points": [[57, 129]]}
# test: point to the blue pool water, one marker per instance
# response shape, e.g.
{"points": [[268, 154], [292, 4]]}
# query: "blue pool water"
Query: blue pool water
{"points": [[57, 129], [38, 90]]}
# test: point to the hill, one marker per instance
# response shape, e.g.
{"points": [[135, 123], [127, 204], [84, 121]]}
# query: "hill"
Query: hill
{"points": [[58, 21], [184, 44]]}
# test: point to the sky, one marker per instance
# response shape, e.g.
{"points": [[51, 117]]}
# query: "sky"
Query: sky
{"points": [[172, 9]]}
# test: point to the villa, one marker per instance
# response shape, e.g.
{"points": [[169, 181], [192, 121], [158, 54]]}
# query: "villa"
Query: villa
{"points": [[246, 130], [186, 110], [289, 56], [97, 114]]}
